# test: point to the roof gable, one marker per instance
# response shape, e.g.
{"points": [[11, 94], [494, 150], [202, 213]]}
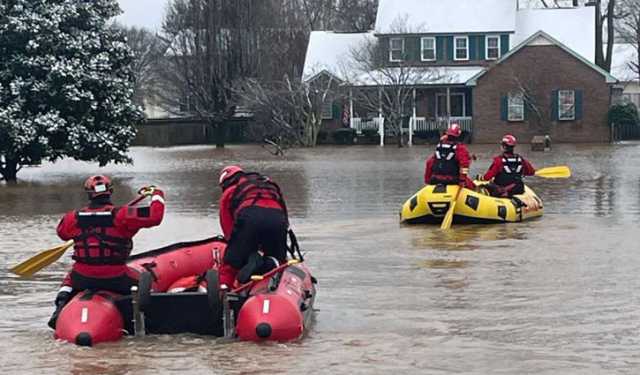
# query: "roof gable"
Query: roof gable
{"points": [[542, 38], [327, 52], [440, 16]]}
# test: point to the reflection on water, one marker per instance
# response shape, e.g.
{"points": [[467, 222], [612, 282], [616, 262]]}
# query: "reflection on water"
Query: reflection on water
{"points": [[554, 295]]}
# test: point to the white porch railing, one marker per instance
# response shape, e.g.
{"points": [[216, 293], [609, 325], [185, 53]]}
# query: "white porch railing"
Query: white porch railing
{"points": [[360, 124], [440, 123]]}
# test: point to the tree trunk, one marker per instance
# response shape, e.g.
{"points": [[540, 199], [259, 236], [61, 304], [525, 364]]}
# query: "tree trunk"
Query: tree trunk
{"points": [[599, 46], [610, 34], [219, 134], [10, 171]]}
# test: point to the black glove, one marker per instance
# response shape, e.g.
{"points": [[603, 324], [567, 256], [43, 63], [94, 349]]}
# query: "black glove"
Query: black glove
{"points": [[62, 298]]}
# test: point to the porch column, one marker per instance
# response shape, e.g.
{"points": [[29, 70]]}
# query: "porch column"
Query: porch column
{"points": [[448, 106], [351, 108], [380, 124], [412, 123]]}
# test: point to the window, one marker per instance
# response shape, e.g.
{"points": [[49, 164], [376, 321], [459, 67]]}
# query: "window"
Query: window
{"points": [[566, 105], [492, 47], [428, 49], [327, 110], [396, 49], [461, 44], [515, 107]]}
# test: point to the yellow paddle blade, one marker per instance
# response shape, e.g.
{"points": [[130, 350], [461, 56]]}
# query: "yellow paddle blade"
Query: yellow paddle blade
{"points": [[34, 264], [561, 171], [448, 218]]}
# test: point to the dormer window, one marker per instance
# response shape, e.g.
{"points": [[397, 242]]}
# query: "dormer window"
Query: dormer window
{"points": [[493, 47], [428, 49], [461, 44], [396, 49]]}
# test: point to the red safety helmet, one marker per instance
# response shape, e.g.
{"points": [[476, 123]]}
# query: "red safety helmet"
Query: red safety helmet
{"points": [[228, 172], [509, 140], [454, 130], [98, 185]]}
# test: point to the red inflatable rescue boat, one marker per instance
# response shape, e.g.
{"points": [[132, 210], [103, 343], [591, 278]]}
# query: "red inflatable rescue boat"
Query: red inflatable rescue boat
{"points": [[275, 306]]}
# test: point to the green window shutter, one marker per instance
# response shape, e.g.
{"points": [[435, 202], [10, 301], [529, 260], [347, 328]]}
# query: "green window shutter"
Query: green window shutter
{"points": [[579, 105], [415, 49], [554, 105], [440, 47], [504, 108], [481, 47], [473, 47], [449, 48], [504, 44], [335, 113]]}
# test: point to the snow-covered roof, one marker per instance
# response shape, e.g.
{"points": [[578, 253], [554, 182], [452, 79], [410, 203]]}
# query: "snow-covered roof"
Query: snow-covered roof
{"points": [[623, 53], [328, 52], [441, 16], [444, 75], [573, 27], [541, 38]]}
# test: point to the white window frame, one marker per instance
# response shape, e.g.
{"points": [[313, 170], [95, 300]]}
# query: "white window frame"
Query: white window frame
{"points": [[391, 50], [511, 116], [572, 94], [422, 49], [443, 97], [327, 110], [455, 48], [486, 47]]}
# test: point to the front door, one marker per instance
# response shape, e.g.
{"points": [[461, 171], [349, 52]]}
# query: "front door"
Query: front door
{"points": [[458, 107]]}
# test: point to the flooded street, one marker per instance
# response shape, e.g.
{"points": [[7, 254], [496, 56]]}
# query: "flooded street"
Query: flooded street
{"points": [[558, 295]]}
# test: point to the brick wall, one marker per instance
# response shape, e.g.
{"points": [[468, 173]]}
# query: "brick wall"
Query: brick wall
{"points": [[547, 68]]}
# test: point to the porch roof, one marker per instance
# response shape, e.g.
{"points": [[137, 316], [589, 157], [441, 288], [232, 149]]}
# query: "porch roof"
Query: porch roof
{"points": [[427, 76]]}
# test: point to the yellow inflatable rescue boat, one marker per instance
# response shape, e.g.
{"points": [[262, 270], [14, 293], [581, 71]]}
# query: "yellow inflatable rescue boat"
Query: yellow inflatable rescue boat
{"points": [[431, 204]]}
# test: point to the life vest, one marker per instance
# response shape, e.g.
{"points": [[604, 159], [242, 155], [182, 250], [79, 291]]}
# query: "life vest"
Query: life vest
{"points": [[251, 188], [511, 173], [446, 168], [99, 242]]}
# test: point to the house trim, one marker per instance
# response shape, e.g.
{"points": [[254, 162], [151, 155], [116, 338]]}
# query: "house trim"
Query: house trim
{"points": [[435, 48], [486, 46], [455, 47]]}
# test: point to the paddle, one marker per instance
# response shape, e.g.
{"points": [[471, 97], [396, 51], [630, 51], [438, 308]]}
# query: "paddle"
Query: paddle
{"points": [[561, 171], [448, 218], [41, 260]]}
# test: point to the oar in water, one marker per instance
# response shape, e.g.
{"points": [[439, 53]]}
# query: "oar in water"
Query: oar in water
{"points": [[44, 258], [34, 264], [561, 171], [448, 218]]}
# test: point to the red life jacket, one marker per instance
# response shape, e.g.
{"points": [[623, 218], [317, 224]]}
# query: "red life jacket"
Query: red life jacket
{"points": [[99, 241], [252, 188]]}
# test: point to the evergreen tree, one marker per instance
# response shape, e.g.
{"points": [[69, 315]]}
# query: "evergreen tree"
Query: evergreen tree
{"points": [[66, 84]]}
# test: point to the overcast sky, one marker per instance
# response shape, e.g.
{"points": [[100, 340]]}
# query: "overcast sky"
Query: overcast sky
{"points": [[142, 13]]}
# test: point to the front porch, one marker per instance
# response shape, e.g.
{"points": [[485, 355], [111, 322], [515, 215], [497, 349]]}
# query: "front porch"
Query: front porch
{"points": [[430, 113]]}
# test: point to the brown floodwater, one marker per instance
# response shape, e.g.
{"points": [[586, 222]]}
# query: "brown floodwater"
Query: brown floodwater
{"points": [[558, 295]]}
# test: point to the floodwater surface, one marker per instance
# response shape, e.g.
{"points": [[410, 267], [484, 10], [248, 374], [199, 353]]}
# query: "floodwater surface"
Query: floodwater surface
{"points": [[558, 295]]}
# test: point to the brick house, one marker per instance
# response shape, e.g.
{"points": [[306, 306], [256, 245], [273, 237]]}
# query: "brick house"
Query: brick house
{"points": [[498, 69]]}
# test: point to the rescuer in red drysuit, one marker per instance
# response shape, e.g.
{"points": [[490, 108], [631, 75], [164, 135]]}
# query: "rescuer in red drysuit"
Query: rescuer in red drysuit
{"points": [[102, 235], [507, 170], [253, 217], [450, 163]]}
